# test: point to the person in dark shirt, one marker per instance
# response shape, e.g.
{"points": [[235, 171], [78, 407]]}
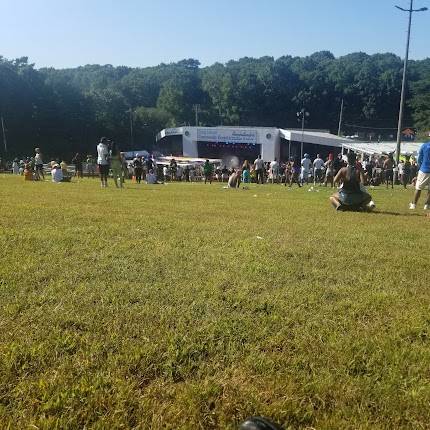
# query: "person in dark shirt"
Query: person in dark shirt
{"points": [[138, 169], [351, 195]]}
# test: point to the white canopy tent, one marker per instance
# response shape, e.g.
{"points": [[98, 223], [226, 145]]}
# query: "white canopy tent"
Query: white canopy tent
{"points": [[411, 148], [313, 137]]}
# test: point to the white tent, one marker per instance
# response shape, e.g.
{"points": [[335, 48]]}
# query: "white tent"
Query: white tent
{"points": [[411, 148], [313, 137]]}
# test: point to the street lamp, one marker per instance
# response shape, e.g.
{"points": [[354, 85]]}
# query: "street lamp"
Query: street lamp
{"points": [[302, 115], [411, 10]]}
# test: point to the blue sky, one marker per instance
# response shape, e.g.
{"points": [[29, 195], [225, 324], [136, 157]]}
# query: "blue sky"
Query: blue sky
{"points": [[68, 33]]}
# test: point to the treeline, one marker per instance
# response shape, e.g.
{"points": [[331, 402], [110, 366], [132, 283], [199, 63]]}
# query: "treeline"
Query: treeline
{"points": [[64, 111]]}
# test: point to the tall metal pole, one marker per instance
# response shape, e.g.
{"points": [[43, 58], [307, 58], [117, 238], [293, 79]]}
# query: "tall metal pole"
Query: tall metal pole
{"points": [[4, 134], [340, 119], [303, 134], [402, 96]]}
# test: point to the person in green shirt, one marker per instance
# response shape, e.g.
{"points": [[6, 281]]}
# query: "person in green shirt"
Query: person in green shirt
{"points": [[208, 171]]}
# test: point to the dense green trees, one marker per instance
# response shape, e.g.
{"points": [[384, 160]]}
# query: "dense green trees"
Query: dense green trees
{"points": [[64, 111]]}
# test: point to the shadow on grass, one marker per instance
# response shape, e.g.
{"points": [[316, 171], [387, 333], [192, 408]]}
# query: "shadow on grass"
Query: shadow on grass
{"points": [[395, 213]]}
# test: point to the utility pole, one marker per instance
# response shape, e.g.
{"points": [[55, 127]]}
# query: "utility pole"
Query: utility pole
{"points": [[411, 10], [4, 134], [340, 119], [197, 110]]}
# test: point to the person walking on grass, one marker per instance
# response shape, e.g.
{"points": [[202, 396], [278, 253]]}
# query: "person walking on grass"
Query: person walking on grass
{"points": [[294, 168], [389, 170], [351, 195], [38, 165], [259, 170], [116, 165], [91, 166], [78, 162], [103, 161], [423, 177], [406, 175], [318, 169], [138, 168], [208, 171], [274, 171], [306, 169], [329, 171]]}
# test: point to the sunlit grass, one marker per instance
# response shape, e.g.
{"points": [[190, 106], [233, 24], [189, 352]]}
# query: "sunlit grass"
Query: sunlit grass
{"points": [[158, 307]]}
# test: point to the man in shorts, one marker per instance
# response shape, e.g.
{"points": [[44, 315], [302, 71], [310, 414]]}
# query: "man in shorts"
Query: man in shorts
{"points": [[423, 178]]}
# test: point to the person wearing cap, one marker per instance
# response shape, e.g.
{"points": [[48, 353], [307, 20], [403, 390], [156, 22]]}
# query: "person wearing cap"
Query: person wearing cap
{"points": [[103, 161], [56, 172], [351, 195]]}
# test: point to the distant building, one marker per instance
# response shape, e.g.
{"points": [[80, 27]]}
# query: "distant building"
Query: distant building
{"points": [[246, 142]]}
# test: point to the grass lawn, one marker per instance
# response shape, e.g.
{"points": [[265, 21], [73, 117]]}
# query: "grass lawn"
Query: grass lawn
{"points": [[157, 307]]}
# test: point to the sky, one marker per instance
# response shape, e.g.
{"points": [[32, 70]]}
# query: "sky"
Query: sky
{"points": [[139, 33]]}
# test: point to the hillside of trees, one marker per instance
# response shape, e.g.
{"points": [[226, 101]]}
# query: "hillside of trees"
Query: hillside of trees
{"points": [[66, 110]]}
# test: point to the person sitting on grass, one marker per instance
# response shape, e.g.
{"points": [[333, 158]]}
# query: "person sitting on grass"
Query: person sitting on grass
{"points": [[351, 195], [151, 178], [234, 179], [56, 172]]}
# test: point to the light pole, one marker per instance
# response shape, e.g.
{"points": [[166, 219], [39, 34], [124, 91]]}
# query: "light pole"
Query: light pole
{"points": [[302, 115], [411, 10], [131, 127]]}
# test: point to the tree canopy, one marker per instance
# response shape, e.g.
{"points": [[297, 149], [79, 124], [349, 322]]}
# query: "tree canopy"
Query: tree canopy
{"points": [[64, 111]]}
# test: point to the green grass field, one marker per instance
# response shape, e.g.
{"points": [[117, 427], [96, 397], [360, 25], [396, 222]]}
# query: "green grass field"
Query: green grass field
{"points": [[157, 307]]}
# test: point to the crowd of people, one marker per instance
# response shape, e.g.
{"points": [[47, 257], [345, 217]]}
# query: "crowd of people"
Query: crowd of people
{"points": [[349, 172]]}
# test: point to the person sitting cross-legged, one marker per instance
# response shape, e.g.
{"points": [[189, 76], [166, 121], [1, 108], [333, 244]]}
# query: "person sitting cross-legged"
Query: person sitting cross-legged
{"points": [[352, 195]]}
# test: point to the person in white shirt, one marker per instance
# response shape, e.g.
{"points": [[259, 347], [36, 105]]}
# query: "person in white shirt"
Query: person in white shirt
{"points": [[259, 170], [318, 170], [15, 167], [103, 161], [56, 172], [38, 164], [306, 168], [274, 170]]}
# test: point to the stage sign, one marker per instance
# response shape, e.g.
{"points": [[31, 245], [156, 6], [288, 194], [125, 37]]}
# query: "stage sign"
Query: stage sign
{"points": [[227, 135]]}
